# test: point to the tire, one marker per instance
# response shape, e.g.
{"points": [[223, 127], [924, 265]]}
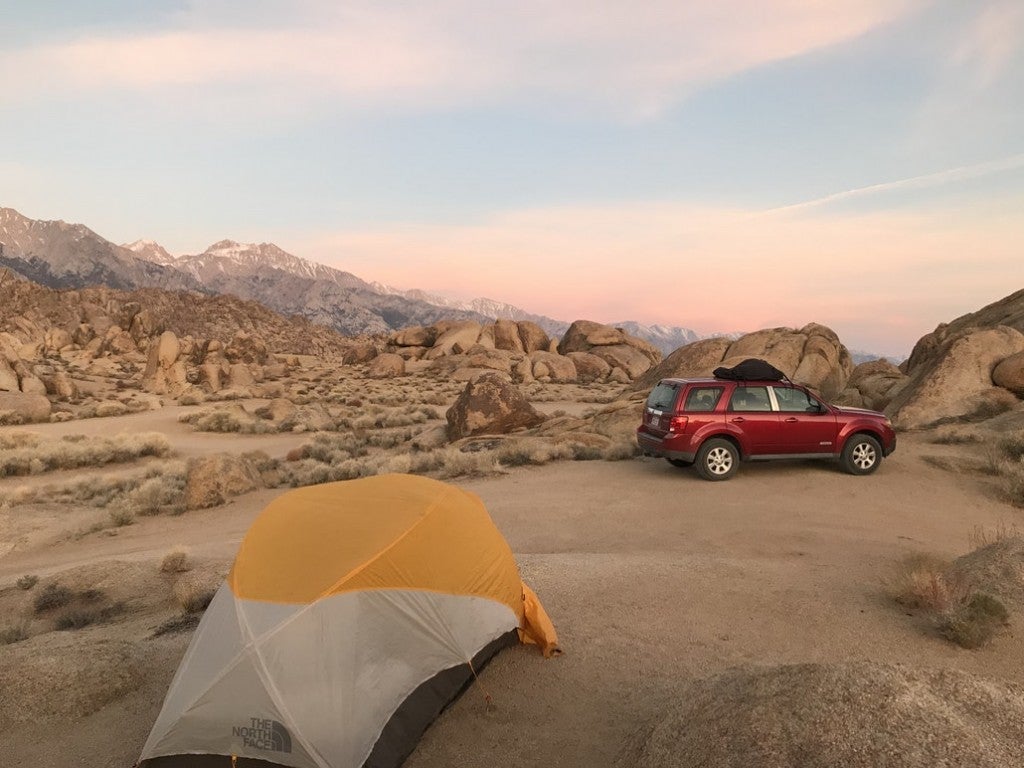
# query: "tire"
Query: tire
{"points": [[679, 463], [861, 455], [717, 459]]}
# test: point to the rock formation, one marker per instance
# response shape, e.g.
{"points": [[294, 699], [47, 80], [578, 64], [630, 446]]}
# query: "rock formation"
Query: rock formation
{"points": [[812, 355], [490, 405]]}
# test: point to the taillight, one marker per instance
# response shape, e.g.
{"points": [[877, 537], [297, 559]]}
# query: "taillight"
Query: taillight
{"points": [[678, 424]]}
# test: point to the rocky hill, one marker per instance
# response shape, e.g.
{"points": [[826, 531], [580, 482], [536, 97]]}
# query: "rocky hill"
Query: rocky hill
{"points": [[62, 255]]}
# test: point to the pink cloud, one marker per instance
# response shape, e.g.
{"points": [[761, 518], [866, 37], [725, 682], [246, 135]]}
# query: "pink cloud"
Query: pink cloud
{"points": [[887, 277], [634, 59]]}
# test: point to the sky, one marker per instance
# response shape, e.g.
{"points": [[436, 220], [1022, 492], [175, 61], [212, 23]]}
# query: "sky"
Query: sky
{"points": [[724, 166]]}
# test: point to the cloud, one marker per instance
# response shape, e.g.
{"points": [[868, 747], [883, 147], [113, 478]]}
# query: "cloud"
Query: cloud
{"points": [[632, 59], [939, 178]]}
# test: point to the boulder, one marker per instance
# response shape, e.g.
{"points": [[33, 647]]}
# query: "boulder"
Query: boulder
{"points": [[697, 359], [584, 334], [28, 381], [167, 349], [212, 480], [553, 367], [414, 336], [490, 405], [872, 384], [56, 339], [212, 375], [386, 365], [64, 387], [506, 336], [22, 408], [956, 380], [455, 340], [533, 337], [624, 356], [358, 354], [240, 375], [589, 367], [8, 378], [854, 714], [1009, 374]]}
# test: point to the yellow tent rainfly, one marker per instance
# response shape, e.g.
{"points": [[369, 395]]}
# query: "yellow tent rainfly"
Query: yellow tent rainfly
{"points": [[353, 614]]}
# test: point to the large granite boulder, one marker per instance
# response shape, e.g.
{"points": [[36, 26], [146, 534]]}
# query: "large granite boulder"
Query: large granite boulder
{"points": [[386, 366], [1009, 374], [454, 338], [212, 480], [955, 380], [490, 405], [812, 355], [23, 408], [872, 384], [547, 366], [619, 349]]}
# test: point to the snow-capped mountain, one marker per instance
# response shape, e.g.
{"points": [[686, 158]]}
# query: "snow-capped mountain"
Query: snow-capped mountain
{"points": [[667, 338], [151, 251], [62, 255]]}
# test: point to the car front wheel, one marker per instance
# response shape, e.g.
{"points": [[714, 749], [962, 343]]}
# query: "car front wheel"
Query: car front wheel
{"points": [[717, 459], [861, 455]]}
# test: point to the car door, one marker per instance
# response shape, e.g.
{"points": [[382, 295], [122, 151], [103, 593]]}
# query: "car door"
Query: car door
{"points": [[750, 411], [806, 427]]}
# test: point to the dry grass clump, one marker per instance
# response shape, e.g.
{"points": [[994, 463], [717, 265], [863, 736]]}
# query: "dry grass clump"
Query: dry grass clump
{"points": [[948, 595], [83, 616], [227, 420], [183, 622], [74, 451], [176, 561], [12, 440], [193, 593], [27, 581], [52, 596], [14, 633], [954, 437], [974, 623]]}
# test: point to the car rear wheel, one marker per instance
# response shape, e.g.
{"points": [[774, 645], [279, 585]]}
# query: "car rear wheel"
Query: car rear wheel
{"points": [[679, 462], [717, 459], [861, 455]]}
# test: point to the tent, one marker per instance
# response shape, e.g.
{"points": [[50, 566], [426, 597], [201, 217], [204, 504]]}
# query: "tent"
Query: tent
{"points": [[353, 614]]}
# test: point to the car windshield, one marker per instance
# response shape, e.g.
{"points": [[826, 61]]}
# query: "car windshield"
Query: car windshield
{"points": [[662, 397]]}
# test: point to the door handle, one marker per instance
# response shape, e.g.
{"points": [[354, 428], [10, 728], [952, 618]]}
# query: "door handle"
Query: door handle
{"points": [[792, 419], [738, 420]]}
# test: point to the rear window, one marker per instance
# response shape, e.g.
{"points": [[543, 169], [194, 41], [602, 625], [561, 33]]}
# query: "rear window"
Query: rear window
{"points": [[662, 397], [702, 399]]}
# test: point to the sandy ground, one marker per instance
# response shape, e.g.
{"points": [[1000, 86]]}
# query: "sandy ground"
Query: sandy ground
{"points": [[651, 575]]}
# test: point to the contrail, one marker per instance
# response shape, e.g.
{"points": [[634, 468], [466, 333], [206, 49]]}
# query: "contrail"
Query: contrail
{"points": [[914, 182]]}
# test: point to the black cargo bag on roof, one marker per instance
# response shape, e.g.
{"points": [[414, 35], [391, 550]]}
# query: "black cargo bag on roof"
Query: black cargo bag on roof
{"points": [[752, 369]]}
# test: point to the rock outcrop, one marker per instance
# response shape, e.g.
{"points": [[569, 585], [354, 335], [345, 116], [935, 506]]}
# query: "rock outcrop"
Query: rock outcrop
{"points": [[955, 379], [490, 405], [523, 349], [212, 480], [812, 355], [872, 385], [857, 715]]}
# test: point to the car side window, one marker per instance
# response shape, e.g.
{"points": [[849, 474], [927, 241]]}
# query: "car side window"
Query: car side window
{"points": [[703, 399], [750, 399], [795, 400]]}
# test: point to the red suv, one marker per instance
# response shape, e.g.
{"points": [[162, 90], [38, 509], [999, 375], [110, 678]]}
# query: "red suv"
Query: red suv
{"points": [[715, 423]]}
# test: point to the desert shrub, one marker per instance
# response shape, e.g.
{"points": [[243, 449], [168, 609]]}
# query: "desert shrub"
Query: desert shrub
{"points": [[981, 537], [77, 451], [190, 398], [184, 622], [154, 495], [14, 634], [83, 616], [111, 408], [1013, 483], [975, 622], [121, 516], [954, 437], [11, 440], [27, 581], [622, 450], [1013, 446], [176, 561], [52, 596], [925, 581], [193, 594]]}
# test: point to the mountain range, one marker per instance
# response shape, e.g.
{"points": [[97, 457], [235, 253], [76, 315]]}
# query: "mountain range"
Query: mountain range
{"points": [[62, 255]]}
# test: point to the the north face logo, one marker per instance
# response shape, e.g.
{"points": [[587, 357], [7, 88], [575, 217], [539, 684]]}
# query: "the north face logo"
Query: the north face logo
{"points": [[268, 735]]}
